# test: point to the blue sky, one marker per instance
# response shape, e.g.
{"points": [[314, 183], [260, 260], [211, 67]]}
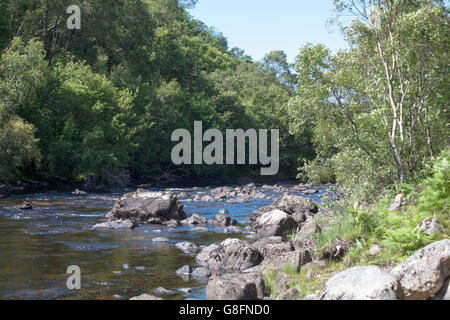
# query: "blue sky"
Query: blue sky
{"points": [[260, 26]]}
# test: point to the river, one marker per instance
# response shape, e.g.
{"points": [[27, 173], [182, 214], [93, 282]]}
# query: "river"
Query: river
{"points": [[37, 246]]}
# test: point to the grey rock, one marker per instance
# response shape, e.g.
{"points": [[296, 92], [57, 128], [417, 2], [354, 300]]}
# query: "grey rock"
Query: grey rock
{"points": [[310, 227], [187, 247], [164, 292], [293, 259], [430, 226], [232, 229], [195, 219], [375, 250], [231, 254], [142, 205], [224, 221], [423, 274], [398, 203], [79, 193], [118, 224], [274, 250], [235, 287], [291, 294], [185, 270], [201, 272], [160, 239], [362, 283], [274, 223], [25, 206], [146, 296]]}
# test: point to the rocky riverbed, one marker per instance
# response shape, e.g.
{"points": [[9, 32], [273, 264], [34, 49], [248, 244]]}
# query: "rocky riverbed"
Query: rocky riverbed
{"points": [[118, 258]]}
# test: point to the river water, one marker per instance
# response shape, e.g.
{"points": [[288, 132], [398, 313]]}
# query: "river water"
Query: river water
{"points": [[37, 246]]}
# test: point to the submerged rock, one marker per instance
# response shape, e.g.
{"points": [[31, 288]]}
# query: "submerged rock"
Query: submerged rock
{"points": [[142, 206], [164, 292], [117, 224], [25, 206]]}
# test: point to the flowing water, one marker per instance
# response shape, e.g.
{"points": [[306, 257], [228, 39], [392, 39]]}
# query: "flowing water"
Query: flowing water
{"points": [[37, 246]]}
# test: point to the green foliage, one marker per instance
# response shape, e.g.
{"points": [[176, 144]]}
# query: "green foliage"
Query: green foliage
{"points": [[19, 148]]}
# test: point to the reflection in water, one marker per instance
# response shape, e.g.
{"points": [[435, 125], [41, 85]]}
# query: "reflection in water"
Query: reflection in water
{"points": [[37, 246]]}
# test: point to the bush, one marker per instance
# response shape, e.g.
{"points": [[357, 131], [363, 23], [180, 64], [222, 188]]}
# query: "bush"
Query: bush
{"points": [[19, 148]]}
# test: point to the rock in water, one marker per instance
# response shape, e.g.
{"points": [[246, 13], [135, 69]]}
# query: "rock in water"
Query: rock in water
{"points": [[187, 247], [195, 219], [231, 254], [423, 274], [274, 223], [143, 206], [224, 221], [145, 296], [185, 270], [118, 224], [79, 193], [235, 287], [362, 283], [26, 206]]}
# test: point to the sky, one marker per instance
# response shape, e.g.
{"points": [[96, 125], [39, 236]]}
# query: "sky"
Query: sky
{"points": [[261, 26]]}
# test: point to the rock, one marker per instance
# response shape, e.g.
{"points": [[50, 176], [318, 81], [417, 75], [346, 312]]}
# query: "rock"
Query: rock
{"points": [[118, 224], [185, 270], [310, 191], [291, 294], [375, 250], [398, 203], [282, 283], [201, 272], [316, 264], [26, 206], [312, 297], [224, 221], [293, 259], [337, 251], [444, 293], [79, 193], [274, 250], [146, 296], [430, 226], [231, 254], [195, 219], [142, 205], [224, 212], [261, 243], [172, 223], [160, 239], [207, 199], [310, 227], [164, 292], [185, 290], [235, 287], [200, 229], [423, 274], [299, 208], [244, 199], [362, 283], [274, 223], [187, 247], [232, 229]]}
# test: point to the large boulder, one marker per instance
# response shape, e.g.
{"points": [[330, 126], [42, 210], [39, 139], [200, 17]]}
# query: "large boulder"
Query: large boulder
{"points": [[231, 254], [274, 223], [362, 283], [298, 207], [423, 274], [143, 206], [235, 287]]}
